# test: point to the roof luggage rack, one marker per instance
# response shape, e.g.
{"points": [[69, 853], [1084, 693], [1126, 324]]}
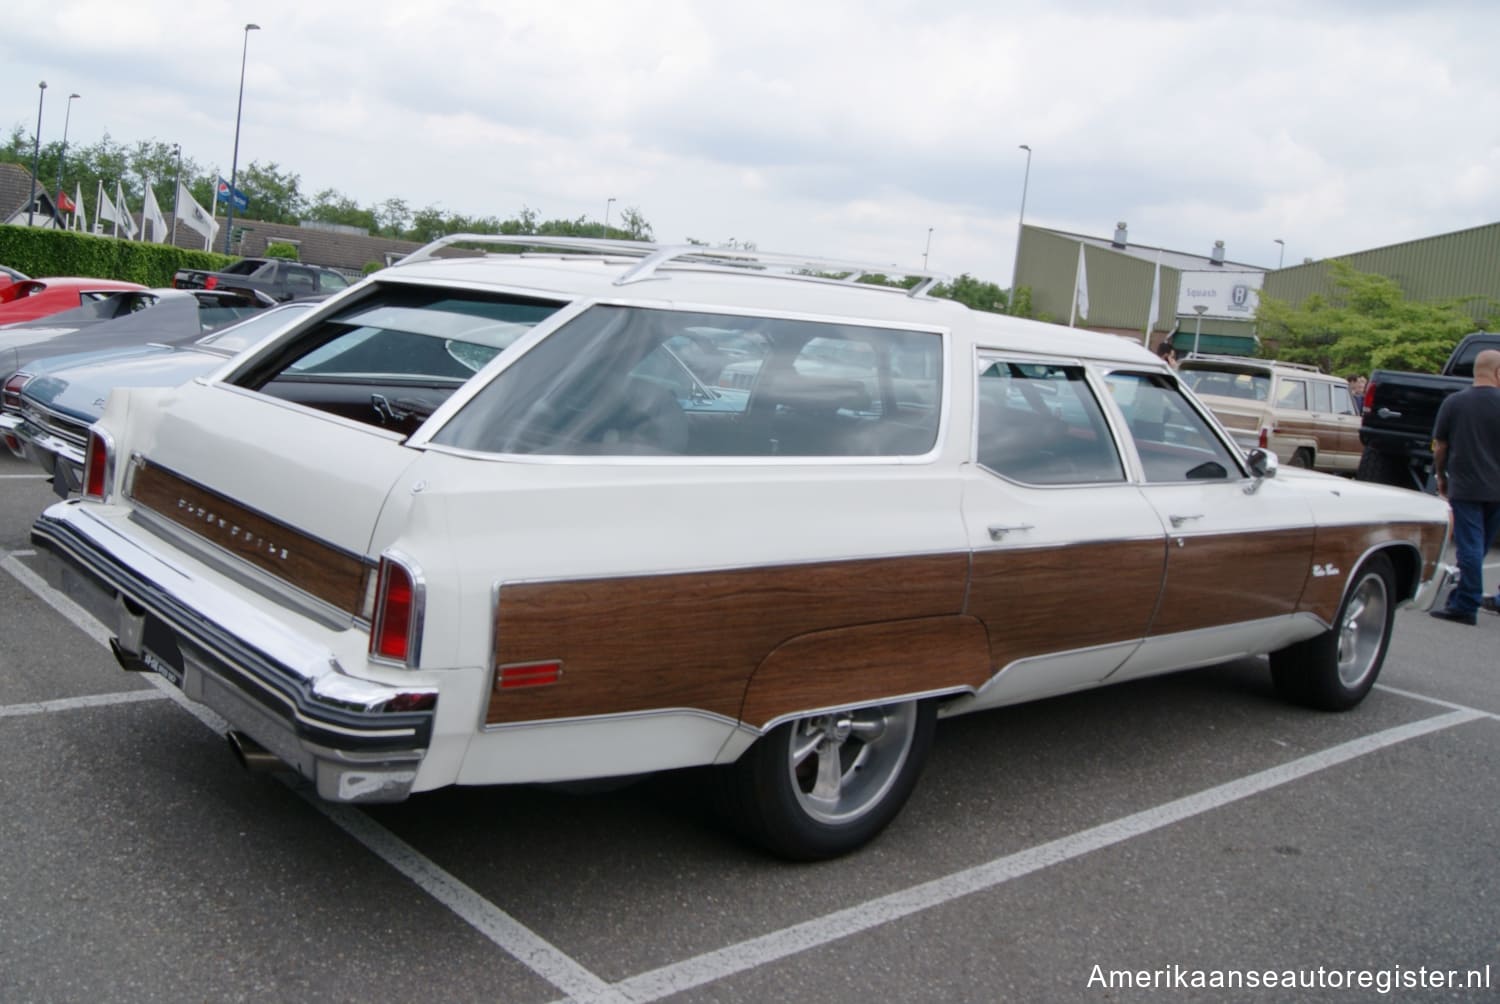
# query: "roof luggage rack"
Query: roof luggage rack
{"points": [[655, 257]]}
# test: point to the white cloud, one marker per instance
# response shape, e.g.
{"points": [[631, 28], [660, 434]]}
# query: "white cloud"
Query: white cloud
{"points": [[833, 128]]}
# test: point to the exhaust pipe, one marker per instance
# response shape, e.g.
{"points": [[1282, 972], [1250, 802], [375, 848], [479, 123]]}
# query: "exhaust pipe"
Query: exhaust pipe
{"points": [[252, 755]]}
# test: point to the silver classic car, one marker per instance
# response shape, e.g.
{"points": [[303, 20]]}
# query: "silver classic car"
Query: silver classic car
{"points": [[596, 509]]}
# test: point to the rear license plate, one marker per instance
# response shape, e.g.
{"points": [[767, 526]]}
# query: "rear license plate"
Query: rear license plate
{"points": [[159, 651]]}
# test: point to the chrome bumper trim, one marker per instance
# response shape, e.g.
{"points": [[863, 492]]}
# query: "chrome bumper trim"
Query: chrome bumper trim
{"points": [[286, 693]]}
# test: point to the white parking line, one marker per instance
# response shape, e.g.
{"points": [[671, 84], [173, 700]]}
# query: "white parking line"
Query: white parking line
{"points": [[582, 985], [23, 477], [74, 703], [717, 965]]}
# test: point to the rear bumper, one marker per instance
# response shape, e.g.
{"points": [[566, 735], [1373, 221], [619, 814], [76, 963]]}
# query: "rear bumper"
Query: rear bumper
{"points": [[61, 458], [1443, 579], [288, 694]]}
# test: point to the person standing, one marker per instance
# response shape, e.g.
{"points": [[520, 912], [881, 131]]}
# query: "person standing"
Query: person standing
{"points": [[1357, 385], [1466, 457]]}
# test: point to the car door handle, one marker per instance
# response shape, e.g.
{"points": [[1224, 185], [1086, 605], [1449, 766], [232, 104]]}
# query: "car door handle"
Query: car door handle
{"points": [[999, 532], [1179, 520], [1387, 413]]}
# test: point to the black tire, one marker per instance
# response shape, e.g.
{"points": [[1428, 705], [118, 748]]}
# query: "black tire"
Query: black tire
{"points": [[1303, 458], [1335, 670], [770, 794], [1383, 469]]}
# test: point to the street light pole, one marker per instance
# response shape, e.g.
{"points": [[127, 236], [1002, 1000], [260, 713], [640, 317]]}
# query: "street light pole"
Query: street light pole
{"points": [[68, 115], [1280, 255], [234, 165], [36, 152], [607, 203], [1200, 309], [1020, 223], [927, 249]]}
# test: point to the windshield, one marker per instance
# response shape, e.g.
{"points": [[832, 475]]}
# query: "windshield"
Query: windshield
{"points": [[239, 337]]}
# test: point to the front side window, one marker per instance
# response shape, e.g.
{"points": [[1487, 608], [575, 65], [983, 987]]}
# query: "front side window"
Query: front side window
{"points": [[1343, 404], [1175, 443], [1040, 423], [622, 381]]}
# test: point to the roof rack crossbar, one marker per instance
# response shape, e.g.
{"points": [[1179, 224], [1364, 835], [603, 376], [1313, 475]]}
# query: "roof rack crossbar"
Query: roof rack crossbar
{"points": [[654, 257]]}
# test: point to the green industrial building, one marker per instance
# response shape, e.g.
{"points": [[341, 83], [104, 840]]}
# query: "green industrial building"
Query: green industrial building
{"points": [[1209, 301]]}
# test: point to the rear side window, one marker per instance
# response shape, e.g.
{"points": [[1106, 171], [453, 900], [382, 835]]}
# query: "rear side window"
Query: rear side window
{"points": [[1322, 399], [1292, 394], [622, 381], [1041, 424], [390, 358]]}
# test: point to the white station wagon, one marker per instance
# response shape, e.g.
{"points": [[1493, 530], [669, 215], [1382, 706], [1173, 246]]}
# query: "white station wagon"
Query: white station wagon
{"points": [[613, 508]]}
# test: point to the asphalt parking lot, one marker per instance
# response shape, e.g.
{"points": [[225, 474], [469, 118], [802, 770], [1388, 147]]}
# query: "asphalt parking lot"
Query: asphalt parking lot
{"points": [[1123, 844]]}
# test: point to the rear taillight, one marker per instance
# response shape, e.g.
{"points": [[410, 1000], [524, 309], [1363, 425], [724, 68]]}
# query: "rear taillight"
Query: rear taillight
{"points": [[1265, 438], [396, 623], [10, 394], [1369, 401], [211, 282], [98, 466]]}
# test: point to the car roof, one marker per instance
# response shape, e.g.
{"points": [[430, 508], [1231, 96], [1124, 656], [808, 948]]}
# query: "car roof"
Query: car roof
{"points": [[621, 272]]}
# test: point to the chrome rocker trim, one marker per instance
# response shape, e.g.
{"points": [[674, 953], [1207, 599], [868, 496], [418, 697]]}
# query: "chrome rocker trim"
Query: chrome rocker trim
{"points": [[289, 695]]}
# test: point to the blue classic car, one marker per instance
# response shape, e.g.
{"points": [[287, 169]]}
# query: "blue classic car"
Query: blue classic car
{"points": [[47, 407]]}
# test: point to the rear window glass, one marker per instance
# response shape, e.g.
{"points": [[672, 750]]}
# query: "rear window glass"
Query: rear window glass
{"points": [[620, 381], [1242, 384]]}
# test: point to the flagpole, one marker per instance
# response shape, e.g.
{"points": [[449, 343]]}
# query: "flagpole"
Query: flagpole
{"points": [[1077, 276], [176, 191]]}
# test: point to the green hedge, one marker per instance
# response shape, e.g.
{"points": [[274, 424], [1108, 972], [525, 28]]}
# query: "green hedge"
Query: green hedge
{"points": [[39, 252]]}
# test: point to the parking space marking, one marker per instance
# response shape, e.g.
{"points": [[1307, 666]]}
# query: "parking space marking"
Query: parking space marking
{"points": [[23, 477], [582, 985], [721, 963], [73, 703], [1435, 700]]}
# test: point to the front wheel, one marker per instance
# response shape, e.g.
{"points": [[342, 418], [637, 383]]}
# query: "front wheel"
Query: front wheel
{"points": [[821, 786], [1335, 670]]}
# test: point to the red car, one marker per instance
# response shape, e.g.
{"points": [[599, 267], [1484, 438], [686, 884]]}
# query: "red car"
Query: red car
{"points": [[29, 299]]}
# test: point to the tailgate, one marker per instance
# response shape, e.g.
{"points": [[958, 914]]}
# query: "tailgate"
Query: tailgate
{"points": [[295, 492]]}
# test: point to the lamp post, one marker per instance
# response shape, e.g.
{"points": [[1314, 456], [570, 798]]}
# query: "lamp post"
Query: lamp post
{"points": [[1200, 309], [1020, 223], [1281, 254], [234, 165], [36, 152], [176, 190], [607, 203], [64, 155], [927, 249]]}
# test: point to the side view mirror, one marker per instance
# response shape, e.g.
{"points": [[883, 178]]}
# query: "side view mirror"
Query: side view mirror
{"points": [[1262, 463]]}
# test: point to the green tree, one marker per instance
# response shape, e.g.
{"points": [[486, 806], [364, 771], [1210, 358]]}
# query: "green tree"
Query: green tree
{"points": [[976, 294], [287, 251], [331, 206], [273, 193], [1365, 323]]}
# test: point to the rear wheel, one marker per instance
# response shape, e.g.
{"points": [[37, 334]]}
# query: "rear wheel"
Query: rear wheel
{"points": [[1382, 469], [821, 786], [1303, 458], [1335, 670]]}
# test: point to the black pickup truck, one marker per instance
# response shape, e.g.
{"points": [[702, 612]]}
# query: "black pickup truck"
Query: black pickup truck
{"points": [[1400, 409], [274, 276]]}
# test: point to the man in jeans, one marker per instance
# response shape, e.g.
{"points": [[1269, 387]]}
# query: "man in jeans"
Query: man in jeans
{"points": [[1466, 456]]}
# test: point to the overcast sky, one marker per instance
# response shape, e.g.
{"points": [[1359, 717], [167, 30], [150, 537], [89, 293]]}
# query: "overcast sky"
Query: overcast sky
{"points": [[830, 128]]}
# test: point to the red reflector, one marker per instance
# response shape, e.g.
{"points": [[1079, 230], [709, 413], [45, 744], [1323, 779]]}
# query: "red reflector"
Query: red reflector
{"points": [[1265, 437], [211, 282], [411, 702], [537, 674], [392, 630]]}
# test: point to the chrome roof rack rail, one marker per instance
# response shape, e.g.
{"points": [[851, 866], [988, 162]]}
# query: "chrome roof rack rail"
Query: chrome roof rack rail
{"points": [[654, 257]]}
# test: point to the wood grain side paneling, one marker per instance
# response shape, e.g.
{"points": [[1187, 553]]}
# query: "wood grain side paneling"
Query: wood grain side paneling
{"points": [[693, 640], [1217, 579], [1053, 599], [865, 664], [317, 568], [1342, 546]]}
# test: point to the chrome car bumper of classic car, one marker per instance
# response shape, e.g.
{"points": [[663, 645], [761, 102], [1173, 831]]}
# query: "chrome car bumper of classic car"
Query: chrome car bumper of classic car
{"points": [[62, 458], [357, 740]]}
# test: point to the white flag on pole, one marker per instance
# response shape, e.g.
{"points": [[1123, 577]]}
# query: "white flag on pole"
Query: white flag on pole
{"points": [[80, 218], [122, 213], [152, 211], [1155, 301], [1080, 290], [194, 215], [104, 212]]}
